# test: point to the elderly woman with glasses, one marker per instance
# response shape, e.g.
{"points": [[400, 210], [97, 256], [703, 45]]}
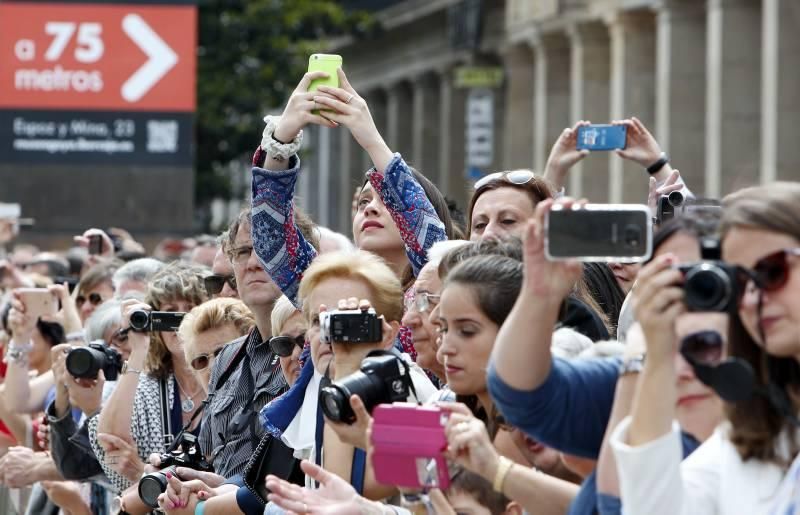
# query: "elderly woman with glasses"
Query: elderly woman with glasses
{"points": [[207, 328]]}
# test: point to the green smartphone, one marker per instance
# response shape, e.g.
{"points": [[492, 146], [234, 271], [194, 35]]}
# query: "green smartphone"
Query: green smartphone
{"points": [[327, 63]]}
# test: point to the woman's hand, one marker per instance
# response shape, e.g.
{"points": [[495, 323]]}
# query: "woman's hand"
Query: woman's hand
{"points": [[67, 496], [180, 494], [564, 155], [335, 496], [122, 456], [350, 110], [354, 434], [658, 301], [68, 315], [468, 441], [19, 321], [298, 112], [640, 146], [138, 341], [547, 280], [87, 394]]}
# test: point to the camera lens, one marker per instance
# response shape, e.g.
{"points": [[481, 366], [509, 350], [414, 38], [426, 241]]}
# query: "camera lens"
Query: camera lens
{"points": [[675, 199], [335, 403], [633, 235], [708, 288], [85, 362], [140, 319], [151, 486]]}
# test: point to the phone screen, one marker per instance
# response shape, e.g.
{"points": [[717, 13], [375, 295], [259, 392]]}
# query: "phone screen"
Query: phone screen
{"points": [[601, 137], [95, 244], [599, 233]]}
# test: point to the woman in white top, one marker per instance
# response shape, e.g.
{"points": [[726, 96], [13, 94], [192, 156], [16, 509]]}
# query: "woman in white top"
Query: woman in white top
{"points": [[739, 468]]}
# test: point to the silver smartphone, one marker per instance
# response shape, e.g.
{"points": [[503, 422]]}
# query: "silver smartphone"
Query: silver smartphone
{"points": [[599, 232]]}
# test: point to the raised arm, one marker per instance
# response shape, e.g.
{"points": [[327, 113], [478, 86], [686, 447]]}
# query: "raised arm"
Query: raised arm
{"points": [[564, 155]]}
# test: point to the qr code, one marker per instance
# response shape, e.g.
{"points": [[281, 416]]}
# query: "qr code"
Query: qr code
{"points": [[162, 136]]}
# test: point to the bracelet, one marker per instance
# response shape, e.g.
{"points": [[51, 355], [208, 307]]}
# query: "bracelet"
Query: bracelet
{"points": [[658, 165], [75, 336], [200, 508], [503, 467], [126, 369], [18, 355], [274, 148]]}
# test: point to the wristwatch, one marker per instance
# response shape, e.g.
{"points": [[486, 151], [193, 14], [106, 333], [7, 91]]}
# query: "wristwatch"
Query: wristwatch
{"points": [[658, 165], [631, 365], [129, 370]]}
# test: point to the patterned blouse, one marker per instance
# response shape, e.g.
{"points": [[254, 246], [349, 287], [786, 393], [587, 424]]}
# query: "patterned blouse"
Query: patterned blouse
{"points": [[146, 427]]}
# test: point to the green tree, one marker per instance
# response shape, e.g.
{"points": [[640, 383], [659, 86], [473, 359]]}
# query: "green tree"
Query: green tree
{"points": [[251, 54]]}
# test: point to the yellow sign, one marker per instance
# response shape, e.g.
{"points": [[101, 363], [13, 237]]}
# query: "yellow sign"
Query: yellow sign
{"points": [[478, 77]]}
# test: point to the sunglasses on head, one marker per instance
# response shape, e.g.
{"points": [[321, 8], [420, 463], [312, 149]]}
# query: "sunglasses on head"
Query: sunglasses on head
{"points": [[94, 299], [771, 273], [702, 347], [202, 361], [514, 177], [214, 283], [283, 346]]}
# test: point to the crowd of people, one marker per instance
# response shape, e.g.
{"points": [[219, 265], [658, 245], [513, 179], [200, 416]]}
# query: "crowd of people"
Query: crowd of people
{"points": [[435, 362]]}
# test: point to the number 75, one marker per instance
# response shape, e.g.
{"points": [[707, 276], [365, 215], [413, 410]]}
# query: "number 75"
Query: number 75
{"points": [[89, 45]]}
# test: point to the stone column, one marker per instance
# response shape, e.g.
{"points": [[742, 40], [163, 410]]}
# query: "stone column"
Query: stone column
{"points": [[680, 76], [733, 96], [589, 100], [633, 56], [426, 126], [519, 88], [451, 149], [398, 118], [557, 49], [770, 76]]}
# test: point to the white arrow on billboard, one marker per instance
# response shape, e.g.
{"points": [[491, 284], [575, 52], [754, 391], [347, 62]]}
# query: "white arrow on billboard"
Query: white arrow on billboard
{"points": [[160, 58]]}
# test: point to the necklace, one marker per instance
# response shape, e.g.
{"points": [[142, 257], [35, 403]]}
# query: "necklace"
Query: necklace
{"points": [[187, 405]]}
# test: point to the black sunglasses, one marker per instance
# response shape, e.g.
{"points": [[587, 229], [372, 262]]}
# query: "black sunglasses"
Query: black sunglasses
{"points": [[703, 347], [202, 361], [94, 299], [283, 346], [214, 283], [771, 273]]}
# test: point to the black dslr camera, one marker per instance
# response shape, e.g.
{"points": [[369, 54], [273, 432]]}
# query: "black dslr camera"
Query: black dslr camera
{"points": [[383, 378], [155, 483], [87, 362], [353, 326], [152, 321], [712, 284]]}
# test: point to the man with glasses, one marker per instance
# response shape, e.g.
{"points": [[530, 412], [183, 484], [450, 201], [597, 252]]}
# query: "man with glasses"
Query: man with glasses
{"points": [[246, 374]]}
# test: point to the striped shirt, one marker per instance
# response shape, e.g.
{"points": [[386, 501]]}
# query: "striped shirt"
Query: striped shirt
{"points": [[230, 430]]}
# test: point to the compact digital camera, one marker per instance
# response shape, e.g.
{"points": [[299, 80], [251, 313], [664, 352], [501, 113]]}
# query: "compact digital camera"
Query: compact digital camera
{"points": [[352, 326], [383, 378], [668, 205], [87, 362], [152, 321]]}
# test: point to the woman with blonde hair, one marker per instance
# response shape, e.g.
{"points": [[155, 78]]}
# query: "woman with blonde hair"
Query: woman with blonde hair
{"points": [[207, 328]]}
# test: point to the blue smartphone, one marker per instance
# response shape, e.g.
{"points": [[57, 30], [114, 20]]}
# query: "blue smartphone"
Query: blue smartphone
{"points": [[601, 137]]}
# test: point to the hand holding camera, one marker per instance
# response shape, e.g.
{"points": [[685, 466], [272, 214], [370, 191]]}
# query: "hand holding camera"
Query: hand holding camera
{"points": [[468, 441], [97, 242], [122, 456], [640, 146], [186, 453], [564, 154]]}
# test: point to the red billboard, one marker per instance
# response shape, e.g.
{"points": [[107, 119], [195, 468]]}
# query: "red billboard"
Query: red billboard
{"points": [[109, 57]]}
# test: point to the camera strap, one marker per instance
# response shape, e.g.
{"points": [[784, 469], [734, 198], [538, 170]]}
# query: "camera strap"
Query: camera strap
{"points": [[166, 422]]}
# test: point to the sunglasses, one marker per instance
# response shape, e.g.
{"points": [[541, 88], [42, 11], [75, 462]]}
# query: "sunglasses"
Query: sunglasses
{"points": [[514, 177], [214, 283], [702, 347], [422, 301], [771, 273], [283, 346], [94, 299], [202, 361]]}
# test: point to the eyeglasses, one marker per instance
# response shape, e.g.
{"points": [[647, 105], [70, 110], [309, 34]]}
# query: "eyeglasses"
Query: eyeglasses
{"points": [[214, 283], [771, 273], [422, 301], [283, 346], [703, 347], [202, 361], [119, 339], [240, 255], [514, 177], [94, 299]]}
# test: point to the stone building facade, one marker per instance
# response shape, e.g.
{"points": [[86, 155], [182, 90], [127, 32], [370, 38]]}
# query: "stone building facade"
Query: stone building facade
{"points": [[716, 81]]}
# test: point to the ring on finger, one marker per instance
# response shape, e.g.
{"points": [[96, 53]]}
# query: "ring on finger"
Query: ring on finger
{"points": [[349, 98]]}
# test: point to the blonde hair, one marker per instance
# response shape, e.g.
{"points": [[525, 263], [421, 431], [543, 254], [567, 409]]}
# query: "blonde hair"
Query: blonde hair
{"points": [[283, 311], [214, 314], [387, 292], [176, 281]]}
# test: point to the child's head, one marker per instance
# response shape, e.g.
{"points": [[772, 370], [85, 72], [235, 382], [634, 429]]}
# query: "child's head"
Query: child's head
{"points": [[470, 494]]}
